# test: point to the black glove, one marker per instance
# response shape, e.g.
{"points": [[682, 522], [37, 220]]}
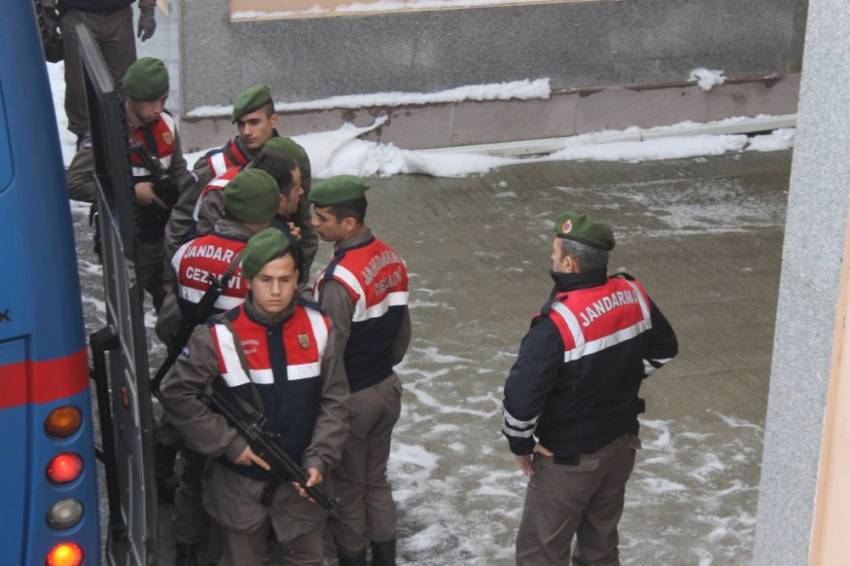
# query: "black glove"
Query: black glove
{"points": [[147, 22]]}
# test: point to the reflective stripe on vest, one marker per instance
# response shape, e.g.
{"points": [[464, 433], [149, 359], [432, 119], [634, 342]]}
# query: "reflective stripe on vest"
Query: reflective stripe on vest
{"points": [[575, 322], [234, 374], [164, 134], [197, 259], [216, 184], [361, 311]]}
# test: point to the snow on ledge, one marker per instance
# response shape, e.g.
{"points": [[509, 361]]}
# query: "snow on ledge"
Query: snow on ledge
{"points": [[517, 90], [367, 7], [707, 79]]}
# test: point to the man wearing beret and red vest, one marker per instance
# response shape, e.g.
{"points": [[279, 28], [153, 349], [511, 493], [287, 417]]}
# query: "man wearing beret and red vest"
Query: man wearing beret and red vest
{"points": [[364, 291], [571, 400], [251, 201], [276, 353], [153, 135], [253, 112]]}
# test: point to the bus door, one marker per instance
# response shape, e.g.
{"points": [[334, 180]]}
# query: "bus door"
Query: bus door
{"points": [[119, 350]]}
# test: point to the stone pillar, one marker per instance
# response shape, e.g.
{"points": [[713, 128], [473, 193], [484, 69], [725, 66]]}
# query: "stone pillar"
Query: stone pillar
{"points": [[808, 293]]}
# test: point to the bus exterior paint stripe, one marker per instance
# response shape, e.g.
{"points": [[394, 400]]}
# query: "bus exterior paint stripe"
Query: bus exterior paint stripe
{"points": [[44, 383]]}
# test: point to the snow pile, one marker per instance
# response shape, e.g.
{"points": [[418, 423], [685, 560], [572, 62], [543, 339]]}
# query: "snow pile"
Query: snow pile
{"points": [[515, 90], [775, 141], [662, 148], [340, 151], [707, 78]]}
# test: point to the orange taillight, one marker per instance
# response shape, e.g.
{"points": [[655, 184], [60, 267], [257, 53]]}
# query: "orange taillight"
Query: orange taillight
{"points": [[63, 421], [65, 467], [65, 554]]}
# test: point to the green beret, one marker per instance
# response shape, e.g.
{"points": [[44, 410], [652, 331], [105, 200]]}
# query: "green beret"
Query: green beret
{"points": [[251, 99], [584, 229], [252, 196], [290, 148], [146, 79], [338, 189], [262, 248]]}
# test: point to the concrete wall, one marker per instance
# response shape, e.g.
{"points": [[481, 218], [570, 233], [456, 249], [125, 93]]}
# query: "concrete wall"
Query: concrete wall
{"points": [[597, 43], [808, 294]]}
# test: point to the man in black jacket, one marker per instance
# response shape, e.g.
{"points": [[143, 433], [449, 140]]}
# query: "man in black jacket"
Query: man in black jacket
{"points": [[571, 399]]}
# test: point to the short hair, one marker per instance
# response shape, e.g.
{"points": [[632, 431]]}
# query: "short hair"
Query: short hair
{"points": [[268, 108], [355, 208], [278, 166], [587, 257]]}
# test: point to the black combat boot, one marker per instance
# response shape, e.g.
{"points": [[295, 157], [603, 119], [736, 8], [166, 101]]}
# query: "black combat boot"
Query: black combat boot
{"points": [[355, 559], [383, 553], [186, 555]]}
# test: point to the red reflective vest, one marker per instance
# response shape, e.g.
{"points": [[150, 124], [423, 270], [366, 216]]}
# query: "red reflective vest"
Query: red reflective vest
{"points": [[595, 319], [284, 365], [160, 139], [212, 254], [216, 184], [375, 276], [226, 158]]}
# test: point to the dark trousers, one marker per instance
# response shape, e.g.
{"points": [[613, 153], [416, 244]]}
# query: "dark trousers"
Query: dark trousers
{"points": [[114, 35], [585, 500], [360, 480]]}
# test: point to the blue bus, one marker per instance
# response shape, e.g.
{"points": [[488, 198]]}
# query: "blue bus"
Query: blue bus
{"points": [[48, 484]]}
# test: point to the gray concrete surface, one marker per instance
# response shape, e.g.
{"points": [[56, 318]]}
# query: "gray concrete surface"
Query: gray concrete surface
{"points": [[811, 263], [597, 43], [704, 235], [563, 114], [590, 51]]}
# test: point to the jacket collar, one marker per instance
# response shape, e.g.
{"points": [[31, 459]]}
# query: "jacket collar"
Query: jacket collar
{"points": [[573, 281], [355, 241], [254, 315]]}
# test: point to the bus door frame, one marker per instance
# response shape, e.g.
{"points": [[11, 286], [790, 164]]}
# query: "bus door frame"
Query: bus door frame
{"points": [[119, 350]]}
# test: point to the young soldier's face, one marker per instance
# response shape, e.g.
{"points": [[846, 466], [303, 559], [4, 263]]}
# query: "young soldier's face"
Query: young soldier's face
{"points": [[256, 128], [148, 111], [289, 204], [273, 287], [328, 226]]}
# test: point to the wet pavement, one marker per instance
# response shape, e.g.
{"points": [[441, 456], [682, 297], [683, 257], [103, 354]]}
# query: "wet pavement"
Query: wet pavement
{"points": [[704, 235]]}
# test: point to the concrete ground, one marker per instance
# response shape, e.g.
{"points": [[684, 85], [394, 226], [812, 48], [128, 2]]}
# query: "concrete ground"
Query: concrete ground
{"points": [[704, 235]]}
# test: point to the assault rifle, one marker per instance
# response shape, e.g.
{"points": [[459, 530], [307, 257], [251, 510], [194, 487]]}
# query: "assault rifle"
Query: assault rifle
{"points": [[164, 186], [264, 445], [202, 311]]}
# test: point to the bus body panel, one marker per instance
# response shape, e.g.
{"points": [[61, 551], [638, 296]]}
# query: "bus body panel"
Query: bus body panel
{"points": [[42, 345]]}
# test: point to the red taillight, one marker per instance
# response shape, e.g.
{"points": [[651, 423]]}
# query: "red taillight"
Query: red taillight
{"points": [[65, 554], [65, 467]]}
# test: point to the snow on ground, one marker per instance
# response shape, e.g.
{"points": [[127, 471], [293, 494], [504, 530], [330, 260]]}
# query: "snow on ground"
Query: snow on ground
{"points": [[342, 152]]}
